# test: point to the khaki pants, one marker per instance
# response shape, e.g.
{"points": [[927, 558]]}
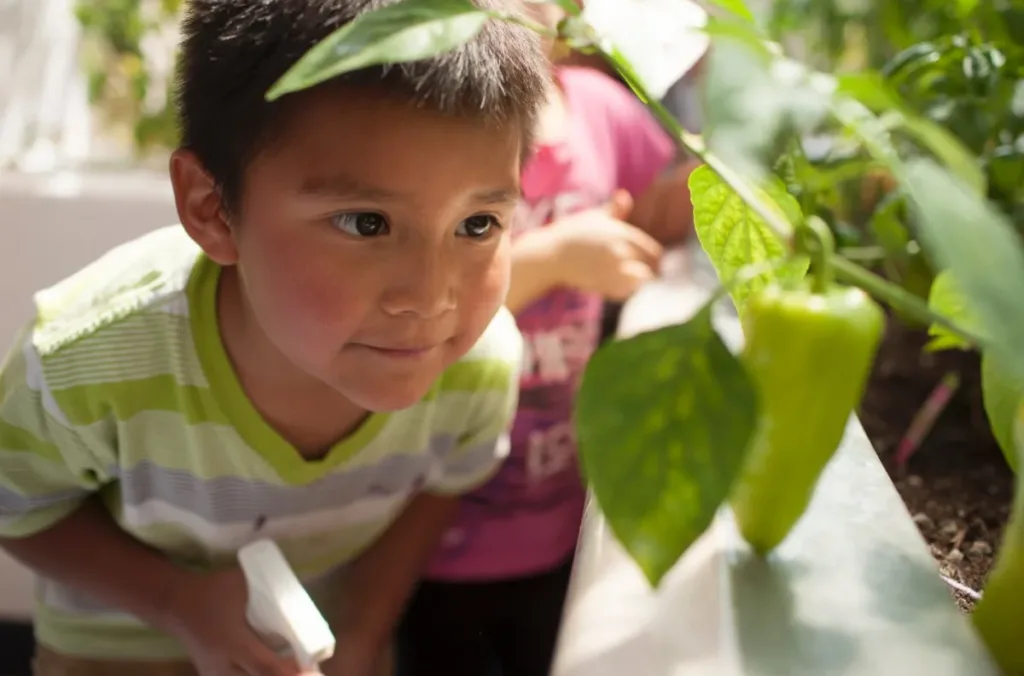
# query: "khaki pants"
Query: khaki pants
{"points": [[49, 663]]}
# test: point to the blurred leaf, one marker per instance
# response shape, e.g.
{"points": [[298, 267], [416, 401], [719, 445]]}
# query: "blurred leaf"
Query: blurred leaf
{"points": [[735, 7], [965, 7], [946, 299], [663, 421], [1006, 168], [749, 34], [948, 149], [871, 90], [734, 236], [406, 31], [966, 235], [756, 102], [1002, 396]]}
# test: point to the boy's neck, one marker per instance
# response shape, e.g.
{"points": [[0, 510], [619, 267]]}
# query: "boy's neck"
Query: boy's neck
{"points": [[306, 412]]}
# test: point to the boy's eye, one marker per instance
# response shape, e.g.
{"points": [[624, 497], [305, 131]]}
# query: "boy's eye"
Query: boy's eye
{"points": [[361, 224], [477, 226]]}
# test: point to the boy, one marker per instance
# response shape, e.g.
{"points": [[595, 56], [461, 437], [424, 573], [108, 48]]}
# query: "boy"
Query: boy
{"points": [[316, 356]]}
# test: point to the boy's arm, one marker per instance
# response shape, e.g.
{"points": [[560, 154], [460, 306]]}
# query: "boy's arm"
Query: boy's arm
{"points": [[380, 581], [49, 518], [87, 551]]}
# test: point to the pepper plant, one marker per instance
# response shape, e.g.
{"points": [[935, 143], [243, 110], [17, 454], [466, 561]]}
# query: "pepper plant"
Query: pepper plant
{"points": [[672, 425]]}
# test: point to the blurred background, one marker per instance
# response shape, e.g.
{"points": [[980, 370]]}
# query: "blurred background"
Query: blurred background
{"points": [[86, 126]]}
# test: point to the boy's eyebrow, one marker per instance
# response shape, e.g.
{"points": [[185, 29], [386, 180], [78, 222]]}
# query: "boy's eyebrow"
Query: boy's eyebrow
{"points": [[343, 187]]}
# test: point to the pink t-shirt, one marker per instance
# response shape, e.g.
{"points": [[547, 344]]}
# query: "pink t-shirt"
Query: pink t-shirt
{"points": [[526, 519]]}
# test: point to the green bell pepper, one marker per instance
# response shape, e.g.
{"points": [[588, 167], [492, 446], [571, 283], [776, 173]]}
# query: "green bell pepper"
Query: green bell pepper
{"points": [[810, 354]]}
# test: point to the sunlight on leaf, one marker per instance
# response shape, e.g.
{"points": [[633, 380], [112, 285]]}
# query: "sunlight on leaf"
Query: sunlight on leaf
{"points": [[663, 421], [946, 298], [397, 33], [1002, 396], [968, 236], [734, 236]]}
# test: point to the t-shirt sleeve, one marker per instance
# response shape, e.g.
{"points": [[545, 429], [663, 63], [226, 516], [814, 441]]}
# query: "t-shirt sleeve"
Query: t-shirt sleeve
{"points": [[487, 380], [643, 149], [48, 466]]}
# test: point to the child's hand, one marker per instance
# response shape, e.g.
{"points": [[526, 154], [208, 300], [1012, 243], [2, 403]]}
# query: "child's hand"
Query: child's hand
{"points": [[210, 617], [599, 252]]}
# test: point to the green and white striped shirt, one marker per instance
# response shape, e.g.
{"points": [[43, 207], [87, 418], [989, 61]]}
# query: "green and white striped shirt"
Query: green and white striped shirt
{"points": [[121, 387]]}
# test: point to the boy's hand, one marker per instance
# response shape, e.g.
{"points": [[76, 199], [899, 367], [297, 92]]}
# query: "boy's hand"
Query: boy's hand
{"points": [[599, 252], [209, 618]]}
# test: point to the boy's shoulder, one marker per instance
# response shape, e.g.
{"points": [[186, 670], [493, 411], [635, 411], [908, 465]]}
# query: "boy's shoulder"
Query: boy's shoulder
{"points": [[147, 273]]}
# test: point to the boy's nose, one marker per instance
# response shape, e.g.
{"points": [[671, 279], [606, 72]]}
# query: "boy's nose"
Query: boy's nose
{"points": [[424, 287]]}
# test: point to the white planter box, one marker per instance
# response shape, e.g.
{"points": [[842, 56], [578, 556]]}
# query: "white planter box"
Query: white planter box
{"points": [[49, 227]]}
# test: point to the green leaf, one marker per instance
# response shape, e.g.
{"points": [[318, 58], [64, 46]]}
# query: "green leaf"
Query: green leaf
{"points": [[968, 236], [1002, 396], [737, 8], [734, 236], [870, 88], [405, 31], [947, 299], [965, 7], [663, 421]]}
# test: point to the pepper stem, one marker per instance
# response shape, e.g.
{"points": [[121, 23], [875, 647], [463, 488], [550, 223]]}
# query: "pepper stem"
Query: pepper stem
{"points": [[814, 238]]}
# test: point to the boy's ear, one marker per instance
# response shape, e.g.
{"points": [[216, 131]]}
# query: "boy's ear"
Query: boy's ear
{"points": [[201, 208]]}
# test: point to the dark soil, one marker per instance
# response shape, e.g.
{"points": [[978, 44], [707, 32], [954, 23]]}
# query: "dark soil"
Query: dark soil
{"points": [[957, 485]]}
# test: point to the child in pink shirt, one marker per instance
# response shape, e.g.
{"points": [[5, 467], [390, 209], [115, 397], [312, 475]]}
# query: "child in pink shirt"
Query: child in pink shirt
{"points": [[494, 590]]}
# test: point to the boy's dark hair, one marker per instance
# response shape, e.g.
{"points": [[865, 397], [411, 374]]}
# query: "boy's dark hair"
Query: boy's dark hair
{"points": [[233, 51]]}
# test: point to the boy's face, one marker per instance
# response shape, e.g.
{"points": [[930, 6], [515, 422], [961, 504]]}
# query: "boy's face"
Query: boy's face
{"points": [[372, 243]]}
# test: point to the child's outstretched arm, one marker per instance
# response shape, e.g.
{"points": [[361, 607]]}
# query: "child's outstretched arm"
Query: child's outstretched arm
{"points": [[595, 251]]}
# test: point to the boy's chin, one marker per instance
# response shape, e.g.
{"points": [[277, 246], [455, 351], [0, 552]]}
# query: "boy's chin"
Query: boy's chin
{"points": [[387, 397]]}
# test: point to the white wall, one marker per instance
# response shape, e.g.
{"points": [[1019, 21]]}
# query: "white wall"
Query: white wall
{"points": [[49, 227]]}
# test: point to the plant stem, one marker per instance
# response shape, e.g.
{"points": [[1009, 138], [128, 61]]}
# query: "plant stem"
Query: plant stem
{"points": [[694, 144], [870, 254], [815, 239], [896, 296]]}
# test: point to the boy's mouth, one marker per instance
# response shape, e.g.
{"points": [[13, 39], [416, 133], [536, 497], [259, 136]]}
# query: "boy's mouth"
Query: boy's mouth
{"points": [[399, 352]]}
